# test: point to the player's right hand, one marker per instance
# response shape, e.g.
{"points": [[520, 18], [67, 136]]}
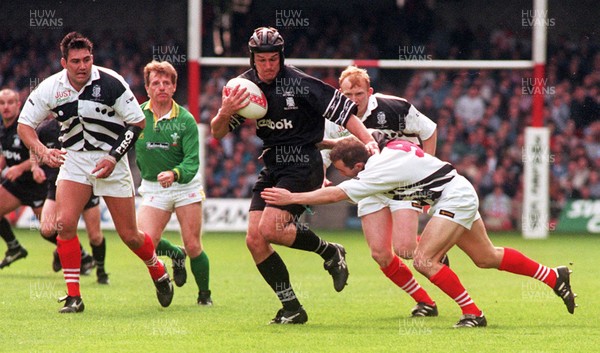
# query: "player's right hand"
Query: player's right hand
{"points": [[236, 100], [53, 158]]}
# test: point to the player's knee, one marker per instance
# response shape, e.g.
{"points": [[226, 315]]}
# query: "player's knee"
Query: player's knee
{"points": [[381, 256], [268, 231], [405, 251], [47, 229], [422, 263], [254, 241], [485, 262], [193, 250]]}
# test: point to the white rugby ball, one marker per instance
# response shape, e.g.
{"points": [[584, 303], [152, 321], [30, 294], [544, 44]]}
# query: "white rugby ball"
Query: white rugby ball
{"points": [[257, 108]]}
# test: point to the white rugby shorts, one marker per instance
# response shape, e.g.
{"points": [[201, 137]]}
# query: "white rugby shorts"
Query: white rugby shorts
{"points": [[374, 203], [458, 203], [78, 167], [168, 199]]}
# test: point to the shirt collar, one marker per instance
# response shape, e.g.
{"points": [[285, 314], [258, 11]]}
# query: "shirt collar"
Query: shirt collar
{"points": [[173, 113], [371, 105]]}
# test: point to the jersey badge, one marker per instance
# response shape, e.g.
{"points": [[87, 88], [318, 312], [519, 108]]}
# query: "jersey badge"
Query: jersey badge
{"points": [[96, 91], [175, 136], [290, 104], [381, 120]]}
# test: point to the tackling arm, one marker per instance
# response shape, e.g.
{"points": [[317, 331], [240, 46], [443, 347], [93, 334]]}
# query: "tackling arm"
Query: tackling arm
{"points": [[323, 196]]}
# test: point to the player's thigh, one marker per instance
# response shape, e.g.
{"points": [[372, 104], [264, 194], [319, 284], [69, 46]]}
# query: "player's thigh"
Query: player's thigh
{"points": [[377, 228], [9, 201], [404, 231], [71, 196], [476, 243], [278, 226], [190, 222], [122, 210], [152, 221]]}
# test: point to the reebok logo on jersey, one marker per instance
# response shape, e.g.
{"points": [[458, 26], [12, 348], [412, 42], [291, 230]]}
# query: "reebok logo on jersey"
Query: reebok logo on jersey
{"points": [[279, 125]]}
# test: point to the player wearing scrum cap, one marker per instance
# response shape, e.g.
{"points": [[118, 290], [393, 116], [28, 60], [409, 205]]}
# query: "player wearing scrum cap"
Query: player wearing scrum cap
{"points": [[298, 105]]}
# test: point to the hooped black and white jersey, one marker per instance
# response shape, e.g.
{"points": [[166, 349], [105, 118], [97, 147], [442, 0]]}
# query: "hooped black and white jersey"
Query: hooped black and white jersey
{"points": [[402, 171], [92, 118], [394, 116], [299, 104]]}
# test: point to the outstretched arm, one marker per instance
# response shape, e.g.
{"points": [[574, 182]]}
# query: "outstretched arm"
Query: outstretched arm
{"points": [[280, 197]]}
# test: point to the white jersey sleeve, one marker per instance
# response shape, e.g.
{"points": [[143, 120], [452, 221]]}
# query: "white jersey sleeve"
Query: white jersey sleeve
{"points": [[332, 131], [418, 123], [37, 106]]}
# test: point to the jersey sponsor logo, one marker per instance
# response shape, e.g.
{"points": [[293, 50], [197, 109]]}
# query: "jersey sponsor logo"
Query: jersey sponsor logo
{"points": [[13, 156], [284, 124], [157, 145], [63, 94], [126, 142]]}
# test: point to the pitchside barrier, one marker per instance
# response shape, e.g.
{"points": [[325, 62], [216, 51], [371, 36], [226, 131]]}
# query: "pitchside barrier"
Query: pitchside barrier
{"points": [[218, 215]]}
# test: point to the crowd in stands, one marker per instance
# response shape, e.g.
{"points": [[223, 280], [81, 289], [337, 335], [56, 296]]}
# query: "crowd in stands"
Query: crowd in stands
{"points": [[481, 114]]}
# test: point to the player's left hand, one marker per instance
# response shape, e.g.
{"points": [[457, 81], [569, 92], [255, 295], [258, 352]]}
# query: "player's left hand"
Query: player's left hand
{"points": [[166, 179], [105, 167], [276, 196], [13, 173]]}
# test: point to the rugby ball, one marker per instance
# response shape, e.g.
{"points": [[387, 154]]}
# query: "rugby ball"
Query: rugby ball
{"points": [[258, 102]]}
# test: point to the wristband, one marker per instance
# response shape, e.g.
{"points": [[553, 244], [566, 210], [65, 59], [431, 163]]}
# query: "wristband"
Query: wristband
{"points": [[110, 158], [175, 175], [125, 141]]}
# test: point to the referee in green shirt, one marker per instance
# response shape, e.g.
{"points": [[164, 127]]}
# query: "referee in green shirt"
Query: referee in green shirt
{"points": [[167, 154]]}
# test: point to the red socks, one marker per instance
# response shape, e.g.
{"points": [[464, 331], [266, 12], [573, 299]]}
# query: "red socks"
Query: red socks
{"points": [[515, 262], [449, 283], [400, 274], [69, 253], [148, 255]]}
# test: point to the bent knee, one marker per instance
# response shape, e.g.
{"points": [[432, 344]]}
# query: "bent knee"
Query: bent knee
{"points": [[405, 251]]}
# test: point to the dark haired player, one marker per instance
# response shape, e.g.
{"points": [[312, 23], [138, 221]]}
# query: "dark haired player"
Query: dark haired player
{"points": [[100, 121], [290, 130], [402, 171]]}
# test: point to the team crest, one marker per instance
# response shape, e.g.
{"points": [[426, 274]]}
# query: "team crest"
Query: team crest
{"points": [[381, 120], [290, 103], [96, 91], [175, 136], [16, 142]]}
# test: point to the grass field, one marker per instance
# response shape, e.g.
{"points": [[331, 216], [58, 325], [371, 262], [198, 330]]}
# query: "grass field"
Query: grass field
{"points": [[370, 315]]}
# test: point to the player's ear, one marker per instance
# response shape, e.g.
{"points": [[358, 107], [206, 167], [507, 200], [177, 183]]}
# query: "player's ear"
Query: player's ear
{"points": [[63, 63]]}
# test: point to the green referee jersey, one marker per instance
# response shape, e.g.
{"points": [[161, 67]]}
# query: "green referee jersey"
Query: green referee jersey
{"points": [[168, 144]]}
